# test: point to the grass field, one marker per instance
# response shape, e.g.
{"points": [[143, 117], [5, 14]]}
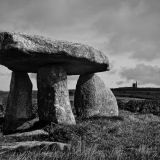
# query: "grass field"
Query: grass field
{"points": [[133, 135], [142, 93], [129, 136], [139, 105]]}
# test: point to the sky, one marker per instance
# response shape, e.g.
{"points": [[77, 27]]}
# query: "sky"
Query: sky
{"points": [[127, 31]]}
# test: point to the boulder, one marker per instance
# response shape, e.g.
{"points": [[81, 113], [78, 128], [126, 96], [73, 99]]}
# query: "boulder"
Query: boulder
{"points": [[27, 53], [53, 96], [35, 135], [30, 145], [28, 125], [19, 103], [93, 98]]}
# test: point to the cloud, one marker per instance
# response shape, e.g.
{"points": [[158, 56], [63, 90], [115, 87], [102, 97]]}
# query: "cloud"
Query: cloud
{"points": [[4, 71], [147, 51], [144, 74], [33, 75], [133, 27], [116, 27], [120, 82], [125, 30], [72, 80]]}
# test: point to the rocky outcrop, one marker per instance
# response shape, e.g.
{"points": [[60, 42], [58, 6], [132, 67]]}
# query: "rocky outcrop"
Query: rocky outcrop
{"points": [[93, 98], [53, 96], [19, 103], [20, 52]]}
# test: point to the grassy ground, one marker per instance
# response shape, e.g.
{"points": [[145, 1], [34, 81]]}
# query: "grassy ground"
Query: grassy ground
{"points": [[139, 106], [129, 136], [143, 93]]}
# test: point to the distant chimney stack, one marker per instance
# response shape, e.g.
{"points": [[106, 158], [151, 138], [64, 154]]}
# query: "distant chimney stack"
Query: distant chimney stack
{"points": [[134, 85]]}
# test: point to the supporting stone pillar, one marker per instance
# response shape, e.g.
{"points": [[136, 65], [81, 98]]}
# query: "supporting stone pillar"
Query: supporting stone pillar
{"points": [[53, 96], [93, 98], [19, 103]]}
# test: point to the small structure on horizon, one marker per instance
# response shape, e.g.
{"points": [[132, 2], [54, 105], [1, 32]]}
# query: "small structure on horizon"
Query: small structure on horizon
{"points": [[135, 85]]}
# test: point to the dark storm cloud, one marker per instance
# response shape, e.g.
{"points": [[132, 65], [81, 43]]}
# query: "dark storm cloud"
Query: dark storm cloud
{"points": [[144, 74]]}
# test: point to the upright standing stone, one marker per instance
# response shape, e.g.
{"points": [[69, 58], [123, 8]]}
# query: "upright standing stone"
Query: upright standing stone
{"points": [[19, 103], [53, 96], [93, 98]]}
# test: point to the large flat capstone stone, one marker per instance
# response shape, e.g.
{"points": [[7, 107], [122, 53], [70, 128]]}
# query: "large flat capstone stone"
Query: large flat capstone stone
{"points": [[27, 53]]}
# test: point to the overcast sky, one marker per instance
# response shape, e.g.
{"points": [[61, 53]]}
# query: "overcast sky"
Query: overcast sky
{"points": [[127, 31]]}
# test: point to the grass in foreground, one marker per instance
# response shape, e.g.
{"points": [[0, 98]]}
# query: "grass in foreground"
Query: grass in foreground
{"points": [[129, 136]]}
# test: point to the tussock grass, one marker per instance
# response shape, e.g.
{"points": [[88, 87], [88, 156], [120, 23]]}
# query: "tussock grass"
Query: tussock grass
{"points": [[140, 106]]}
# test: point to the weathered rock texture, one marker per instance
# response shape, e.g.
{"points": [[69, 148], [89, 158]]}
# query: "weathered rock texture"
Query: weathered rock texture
{"points": [[36, 145], [93, 98], [28, 125], [53, 96], [27, 53], [36, 135], [19, 103]]}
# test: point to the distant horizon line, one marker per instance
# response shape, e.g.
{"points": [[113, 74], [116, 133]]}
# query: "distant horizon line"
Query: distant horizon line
{"points": [[110, 88]]}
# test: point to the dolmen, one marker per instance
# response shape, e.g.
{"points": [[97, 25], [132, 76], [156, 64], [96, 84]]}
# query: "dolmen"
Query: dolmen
{"points": [[53, 60]]}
